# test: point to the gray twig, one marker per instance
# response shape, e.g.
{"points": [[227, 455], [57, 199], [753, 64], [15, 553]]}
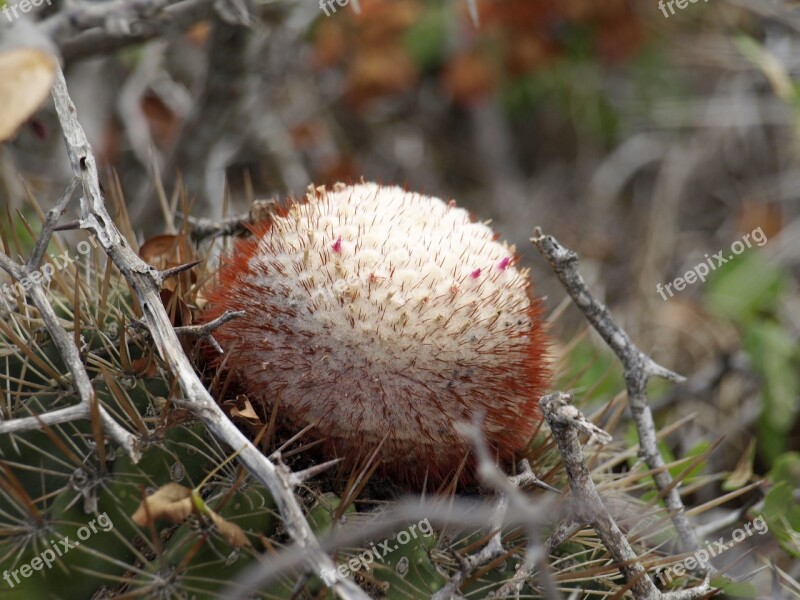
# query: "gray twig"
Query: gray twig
{"points": [[510, 500], [201, 228], [638, 369], [455, 512], [64, 343], [206, 330], [209, 121], [97, 28], [566, 422]]}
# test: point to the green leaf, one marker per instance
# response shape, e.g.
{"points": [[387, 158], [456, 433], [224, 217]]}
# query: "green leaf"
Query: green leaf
{"points": [[786, 468], [781, 511], [782, 514], [744, 287], [424, 41], [773, 353]]}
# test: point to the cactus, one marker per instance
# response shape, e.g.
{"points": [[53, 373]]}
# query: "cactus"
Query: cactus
{"points": [[58, 483]]}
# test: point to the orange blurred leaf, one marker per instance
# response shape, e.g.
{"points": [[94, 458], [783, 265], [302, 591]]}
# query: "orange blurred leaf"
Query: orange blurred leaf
{"points": [[26, 76]]}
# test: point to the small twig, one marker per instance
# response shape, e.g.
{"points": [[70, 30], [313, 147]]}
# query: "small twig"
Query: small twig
{"points": [[87, 15], [566, 422], [206, 330], [226, 87], [510, 499], [638, 369], [108, 26], [64, 343], [68, 226], [458, 512], [563, 531], [528, 477], [49, 225], [202, 228], [53, 417]]}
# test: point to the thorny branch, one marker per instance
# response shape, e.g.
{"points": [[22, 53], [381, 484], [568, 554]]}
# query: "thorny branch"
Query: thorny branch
{"points": [[206, 330], [91, 28], [64, 343], [456, 512], [638, 369], [511, 500], [145, 282], [203, 228], [566, 422]]}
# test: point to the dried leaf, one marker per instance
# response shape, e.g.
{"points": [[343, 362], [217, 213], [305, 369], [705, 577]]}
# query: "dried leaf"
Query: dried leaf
{"points": [[743, 472], [160, 249], [230, 532], [26, 76], [247, 413], [175, 503], [145, 366], [171, 501]]}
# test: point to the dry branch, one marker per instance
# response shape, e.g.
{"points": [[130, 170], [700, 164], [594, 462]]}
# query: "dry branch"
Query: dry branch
{"points": [[90, 28], [63, 342], [638, 369], [566, 422]]}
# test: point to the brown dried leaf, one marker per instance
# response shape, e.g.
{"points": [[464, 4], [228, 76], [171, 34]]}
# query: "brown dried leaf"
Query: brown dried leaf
{"points": [[171, 501], [145, 366], [175, 503], [160, 249], [247, 413], [26, 76], [230, 532], [743, 472]]}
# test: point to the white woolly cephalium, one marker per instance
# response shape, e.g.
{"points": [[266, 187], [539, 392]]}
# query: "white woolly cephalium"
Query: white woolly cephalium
{"points": [[380, 315]]}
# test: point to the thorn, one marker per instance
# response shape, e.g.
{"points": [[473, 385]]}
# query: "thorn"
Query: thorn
{"points": [[69, 226], [653, 368], [206, 329], [166, 274], [527, 476], [545, 486], [301, 476], [473, 13]]}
